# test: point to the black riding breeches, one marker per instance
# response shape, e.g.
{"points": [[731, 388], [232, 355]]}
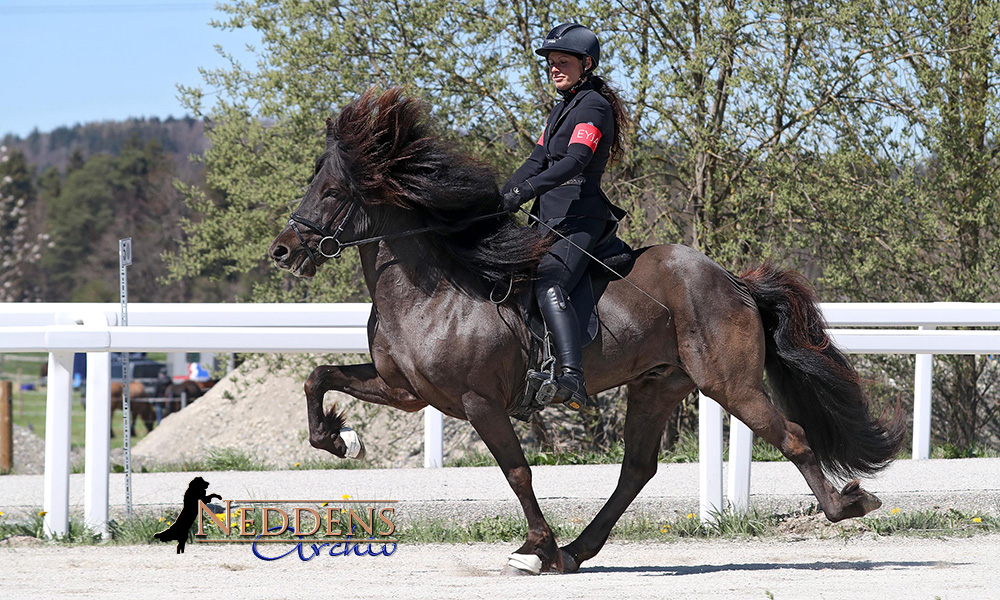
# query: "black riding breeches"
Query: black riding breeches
{"points": [[565, 263]]}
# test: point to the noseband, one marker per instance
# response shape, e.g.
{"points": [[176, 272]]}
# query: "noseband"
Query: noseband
{"points": [[329, 245]]}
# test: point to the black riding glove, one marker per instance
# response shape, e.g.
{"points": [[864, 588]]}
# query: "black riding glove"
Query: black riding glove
{"points": [[517, 195]]}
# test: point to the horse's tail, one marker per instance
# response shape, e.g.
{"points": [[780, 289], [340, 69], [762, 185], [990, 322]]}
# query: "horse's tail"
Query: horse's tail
{"points": [[813, 380]]}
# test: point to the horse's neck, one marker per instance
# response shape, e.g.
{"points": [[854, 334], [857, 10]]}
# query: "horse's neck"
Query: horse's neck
{"points": [[399, 276]]}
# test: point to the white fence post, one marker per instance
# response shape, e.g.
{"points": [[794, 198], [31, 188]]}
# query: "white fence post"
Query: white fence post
{"points": [[97, 448], [58, 407], [433, 438], [922, 385], [740, 457], [710, 457]]}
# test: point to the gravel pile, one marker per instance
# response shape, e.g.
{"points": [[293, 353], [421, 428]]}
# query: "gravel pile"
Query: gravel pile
{"points": [[260, 410], [29, 453]]}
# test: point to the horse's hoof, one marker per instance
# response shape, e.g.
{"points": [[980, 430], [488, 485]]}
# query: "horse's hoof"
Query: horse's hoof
{"points": [[355, 447], [569, 564], [854, 502], [522, 564]]}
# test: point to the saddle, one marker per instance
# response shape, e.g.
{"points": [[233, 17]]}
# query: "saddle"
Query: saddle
{"points": [[611, 251]]}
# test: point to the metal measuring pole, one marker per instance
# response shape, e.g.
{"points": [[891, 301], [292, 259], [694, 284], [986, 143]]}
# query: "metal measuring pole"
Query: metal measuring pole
{"points": [[124, 260]]}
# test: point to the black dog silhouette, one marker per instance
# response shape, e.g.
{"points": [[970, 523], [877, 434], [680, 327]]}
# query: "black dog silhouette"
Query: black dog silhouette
{"points": [[179, 530]]}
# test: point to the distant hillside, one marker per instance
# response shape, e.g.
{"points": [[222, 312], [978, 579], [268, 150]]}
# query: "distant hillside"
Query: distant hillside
{"points": [[179, 138]]}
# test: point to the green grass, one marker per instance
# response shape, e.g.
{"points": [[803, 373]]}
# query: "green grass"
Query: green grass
{"points": [[234, 459], [950, 451], [756, 524], [927, 522]]}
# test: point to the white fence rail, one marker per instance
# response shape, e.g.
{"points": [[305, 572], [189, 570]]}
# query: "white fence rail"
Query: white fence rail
{"points": [[62, 329]]}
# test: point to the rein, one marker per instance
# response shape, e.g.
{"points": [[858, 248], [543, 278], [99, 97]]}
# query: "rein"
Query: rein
{"points": [[324, 231], [339, 246], [670, 314]]}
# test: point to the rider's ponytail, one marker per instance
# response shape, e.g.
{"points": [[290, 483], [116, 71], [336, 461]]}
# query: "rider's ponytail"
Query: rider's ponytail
{"points": [[622, 122]]}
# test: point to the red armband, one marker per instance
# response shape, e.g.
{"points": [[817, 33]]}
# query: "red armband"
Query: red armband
{"points": [[587, 134]]}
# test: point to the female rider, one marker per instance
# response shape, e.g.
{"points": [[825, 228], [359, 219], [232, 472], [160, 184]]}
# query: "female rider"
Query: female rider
{"points": [[564, 172]]}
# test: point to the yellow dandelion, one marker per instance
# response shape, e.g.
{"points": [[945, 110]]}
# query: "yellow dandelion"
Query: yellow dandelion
{"points": [[895, 511], [691, 515], [1, 513], [42, 513], [161, 519], [297, 464], [664, 529], [169, 523], [346, 497], [977, 520], [324, 504]]}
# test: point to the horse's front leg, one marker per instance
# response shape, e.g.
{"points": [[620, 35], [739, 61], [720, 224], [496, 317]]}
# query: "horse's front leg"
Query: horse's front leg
{"points": [[361, 381], [539, 552]]}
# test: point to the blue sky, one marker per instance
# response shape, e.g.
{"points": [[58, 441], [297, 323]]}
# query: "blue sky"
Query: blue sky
{"points": [[64, 62]]}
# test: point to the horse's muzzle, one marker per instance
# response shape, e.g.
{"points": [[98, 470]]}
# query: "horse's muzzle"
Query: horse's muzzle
{"points": [[288, 253]]}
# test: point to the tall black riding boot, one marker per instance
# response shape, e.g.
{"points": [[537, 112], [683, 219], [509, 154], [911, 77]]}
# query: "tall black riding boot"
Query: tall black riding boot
{"points": [[560, 318]]}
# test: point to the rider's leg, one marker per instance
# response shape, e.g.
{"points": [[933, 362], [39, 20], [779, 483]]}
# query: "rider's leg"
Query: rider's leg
{"points": [[558, 273]]}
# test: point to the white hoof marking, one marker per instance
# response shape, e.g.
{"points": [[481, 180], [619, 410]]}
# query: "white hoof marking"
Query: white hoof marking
{"points": [[525, 562], [353, 442]]}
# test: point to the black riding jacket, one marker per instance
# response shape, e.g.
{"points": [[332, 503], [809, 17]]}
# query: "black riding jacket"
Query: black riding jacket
{"points": [[566, 166]]}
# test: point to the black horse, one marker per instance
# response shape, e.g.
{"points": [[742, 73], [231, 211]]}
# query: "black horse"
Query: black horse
{"points": [[419, 213]]}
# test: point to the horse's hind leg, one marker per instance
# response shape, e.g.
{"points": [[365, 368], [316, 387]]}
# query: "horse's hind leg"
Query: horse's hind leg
{"points": [[759, 414], [361, 381], [651, 400]]}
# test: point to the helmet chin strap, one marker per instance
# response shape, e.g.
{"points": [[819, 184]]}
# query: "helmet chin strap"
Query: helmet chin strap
{"points": [[584, 77]]}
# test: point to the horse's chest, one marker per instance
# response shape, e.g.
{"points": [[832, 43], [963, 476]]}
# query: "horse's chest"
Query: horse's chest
{"points": [[421, 351]]}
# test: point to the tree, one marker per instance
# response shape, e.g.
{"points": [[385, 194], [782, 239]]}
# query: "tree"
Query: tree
{"points": [[105, 198], [716, 89], [917, 173], [19, 249]]}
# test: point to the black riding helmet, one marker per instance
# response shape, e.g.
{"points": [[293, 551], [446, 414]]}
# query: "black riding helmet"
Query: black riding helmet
{"points": [[572, 38]]}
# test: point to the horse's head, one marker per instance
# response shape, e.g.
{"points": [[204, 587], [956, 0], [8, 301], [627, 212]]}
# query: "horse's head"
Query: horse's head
{"points": [[385, 175], [324, 218], [366, 170]]}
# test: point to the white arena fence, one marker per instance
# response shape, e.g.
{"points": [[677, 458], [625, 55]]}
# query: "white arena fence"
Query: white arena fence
{"points": [[61, 329]]}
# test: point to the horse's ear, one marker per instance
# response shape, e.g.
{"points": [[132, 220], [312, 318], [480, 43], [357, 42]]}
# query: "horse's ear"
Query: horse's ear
{"points": [[329, 133]]}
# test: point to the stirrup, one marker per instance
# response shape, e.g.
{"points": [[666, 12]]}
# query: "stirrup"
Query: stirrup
{"points": [[549, 392]]}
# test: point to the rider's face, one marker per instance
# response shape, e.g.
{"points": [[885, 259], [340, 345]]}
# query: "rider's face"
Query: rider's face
{"points": [[565, 69]]}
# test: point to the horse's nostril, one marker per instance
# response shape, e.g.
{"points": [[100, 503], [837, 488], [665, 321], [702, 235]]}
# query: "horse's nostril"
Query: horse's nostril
{"points": [[279, 252]]}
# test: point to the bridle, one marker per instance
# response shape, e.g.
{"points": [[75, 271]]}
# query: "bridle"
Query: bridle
{"points": [[324, 231], [330, 245]]}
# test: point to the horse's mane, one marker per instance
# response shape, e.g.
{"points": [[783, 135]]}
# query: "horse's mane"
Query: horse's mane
{"points": [[383, 150]]}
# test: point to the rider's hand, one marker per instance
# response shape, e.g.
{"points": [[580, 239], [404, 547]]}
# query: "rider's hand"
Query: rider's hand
{"points": [[517, 195]]}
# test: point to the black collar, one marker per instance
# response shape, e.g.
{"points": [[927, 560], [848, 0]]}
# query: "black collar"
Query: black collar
{"points": [[574, 91]]}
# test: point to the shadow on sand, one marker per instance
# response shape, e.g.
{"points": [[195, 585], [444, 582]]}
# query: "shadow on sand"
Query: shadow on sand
{"points": [[861, 565]]}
